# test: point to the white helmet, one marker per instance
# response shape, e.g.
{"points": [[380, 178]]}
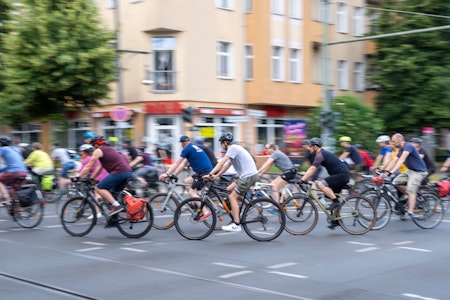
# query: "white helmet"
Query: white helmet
{"points": [[383, 138], [86, 147]]}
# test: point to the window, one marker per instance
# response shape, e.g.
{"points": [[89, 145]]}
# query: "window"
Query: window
{"points": [[225, 4], [26, 133], [277, 63], [248, 62], [277, 7], [319, 10], [163, 64], [295, 9], [358, 75], [358, 21], [224, 66], [342, 75], [342, 21], [295, 66], [248, 6]]}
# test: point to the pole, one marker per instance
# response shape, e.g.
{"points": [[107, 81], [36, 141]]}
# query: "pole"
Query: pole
{"points": [[326, 133], [118, 67]]}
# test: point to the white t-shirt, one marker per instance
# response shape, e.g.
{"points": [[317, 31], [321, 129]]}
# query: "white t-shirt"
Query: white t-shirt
{"points": [[242, 161], [62, 155]]}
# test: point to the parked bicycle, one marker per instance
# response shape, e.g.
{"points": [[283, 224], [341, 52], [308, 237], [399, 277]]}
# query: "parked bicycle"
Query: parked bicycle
{"points": [[257, 222], [355, 215], [27, 205], [429, 207], [79, 214]]}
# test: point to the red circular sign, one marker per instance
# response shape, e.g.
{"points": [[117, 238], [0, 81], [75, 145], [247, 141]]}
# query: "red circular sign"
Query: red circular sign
{"points": [[120, 114]]}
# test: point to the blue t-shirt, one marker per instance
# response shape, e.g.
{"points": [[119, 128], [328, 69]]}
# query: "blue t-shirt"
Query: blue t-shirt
{"points": [[13, 160], [413, 161], [385, 150], [197, 158]]}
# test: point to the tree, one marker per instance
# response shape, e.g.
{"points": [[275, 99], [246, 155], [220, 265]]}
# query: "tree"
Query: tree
{"points": [[354, 119], [56, 59], [413, 70]]}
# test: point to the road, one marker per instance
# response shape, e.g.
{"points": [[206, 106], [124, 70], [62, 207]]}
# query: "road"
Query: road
{"points": [[400, 261]]}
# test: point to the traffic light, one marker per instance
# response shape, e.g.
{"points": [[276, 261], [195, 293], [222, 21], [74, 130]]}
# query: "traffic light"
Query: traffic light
{"points": [[187, 114], [329, 119]]}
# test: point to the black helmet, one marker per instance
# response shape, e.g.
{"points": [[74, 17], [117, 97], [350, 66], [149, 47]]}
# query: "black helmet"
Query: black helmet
{"points": [[315, 142], [98, 140], [126, 141], [416, 140], [227, 137], [306, 142], [5, 140]]}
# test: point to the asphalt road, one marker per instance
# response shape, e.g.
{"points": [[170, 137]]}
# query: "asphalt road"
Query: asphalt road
{"points": [[400, 261]]}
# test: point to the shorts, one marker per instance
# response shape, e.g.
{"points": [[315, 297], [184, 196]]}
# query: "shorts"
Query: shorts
{"points": [[198, 183], [113, 181], [336, 182], [289, 174], [244, 184], [411, 179], [10, 177]]}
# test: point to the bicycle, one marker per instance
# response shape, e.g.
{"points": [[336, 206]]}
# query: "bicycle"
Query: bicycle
{"points": [[429, 206], [79, 214], [355, 215], [27, 205], [257, 222], [165, 204]]}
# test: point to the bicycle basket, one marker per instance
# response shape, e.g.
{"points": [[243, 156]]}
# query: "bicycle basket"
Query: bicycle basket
{"points": [[135, 207], [378, 180], [28, 195]]}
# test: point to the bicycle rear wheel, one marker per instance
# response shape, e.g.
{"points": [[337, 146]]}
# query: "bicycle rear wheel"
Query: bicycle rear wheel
{"points": [[74, 216], [263, 224], [187, 219], [29, 216], [135, 228], [163, 216], [430, 211], [382, 206], [301, 214], [51, 196], [356, 215]]}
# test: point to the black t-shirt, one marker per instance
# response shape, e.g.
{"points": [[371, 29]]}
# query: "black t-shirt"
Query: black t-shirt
{"points": [[330, 162]]}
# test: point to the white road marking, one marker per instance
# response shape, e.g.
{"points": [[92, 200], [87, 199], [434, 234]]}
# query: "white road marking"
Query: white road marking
{"points": [[229, 265], [133, 249], [53, 226], [367, 249], [94, 243], [402, 243], [229, 275], [416, 249], [358, 243], [136, 243], [417, 296], [283, 265], [89, 249], [288, 274]]}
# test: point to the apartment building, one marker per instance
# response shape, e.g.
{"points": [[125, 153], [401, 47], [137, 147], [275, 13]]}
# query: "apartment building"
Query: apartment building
{"points": [[251, 67]]}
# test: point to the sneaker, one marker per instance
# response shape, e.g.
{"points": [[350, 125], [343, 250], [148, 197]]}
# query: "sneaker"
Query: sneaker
{"points": [[333, 224], [115, 210], [334, 205], [205, 216], [232, 227], [99, 215], [272, 211], [409, 216]]}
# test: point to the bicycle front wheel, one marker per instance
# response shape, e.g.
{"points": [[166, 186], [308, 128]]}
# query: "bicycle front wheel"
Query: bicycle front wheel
{"points": [[429, 210], [261, 223], [135, 228], [382, 206], [163, 213], [357, 215], [29, 216], [78, 216], [189, 222], [301, 215]]}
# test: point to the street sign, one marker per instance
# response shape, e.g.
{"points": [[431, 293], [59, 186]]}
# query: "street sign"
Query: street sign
{"points": [[120, 114]]}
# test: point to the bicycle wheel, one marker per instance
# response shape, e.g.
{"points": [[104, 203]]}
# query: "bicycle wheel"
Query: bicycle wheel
{"points": [[430, 211], [74, 216], [301, 214], [356, 215], [263, 224], [51, 196], [188, 221], [382, 205], [163, 214], [29, 216], [135, 228]]}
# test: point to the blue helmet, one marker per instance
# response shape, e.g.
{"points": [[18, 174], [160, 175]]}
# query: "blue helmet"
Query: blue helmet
{"points": [[89, 135]]}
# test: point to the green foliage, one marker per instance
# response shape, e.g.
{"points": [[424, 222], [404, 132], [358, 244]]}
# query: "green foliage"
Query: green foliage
{"points": [[413, 70], [356, 120], [57, 58]]}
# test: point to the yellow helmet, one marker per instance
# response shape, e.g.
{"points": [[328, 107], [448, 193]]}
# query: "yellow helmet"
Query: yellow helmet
{"points": [[345, 139]]}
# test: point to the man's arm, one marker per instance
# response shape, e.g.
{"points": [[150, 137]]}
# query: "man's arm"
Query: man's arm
{"points": [[310, 172], [397, 162], [267, 164], [344, 155]]}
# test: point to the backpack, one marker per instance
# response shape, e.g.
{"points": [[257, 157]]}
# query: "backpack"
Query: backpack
{"points": [[135, 207], [368, 161], [28, 194]]}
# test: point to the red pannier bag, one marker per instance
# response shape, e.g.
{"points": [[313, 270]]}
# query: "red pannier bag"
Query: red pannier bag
{"points": [[443, 188], [135, 207]]}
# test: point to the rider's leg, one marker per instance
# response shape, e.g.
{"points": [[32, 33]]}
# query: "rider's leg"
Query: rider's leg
{"points": [[277, 184]]}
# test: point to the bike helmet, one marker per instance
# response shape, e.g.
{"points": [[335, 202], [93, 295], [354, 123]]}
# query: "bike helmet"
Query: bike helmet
{"points": [[98, 140], [306, 142], [86, 148], [227, 137], [5, 140], [316, 142], [383, 138], [345, 139], [416, 140], [89, 135]]}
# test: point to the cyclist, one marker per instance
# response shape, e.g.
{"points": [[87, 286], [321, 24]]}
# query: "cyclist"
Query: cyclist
{"points": [[385, 152], [13, 168], [130, 149], [336, 168], [117, 166], [417, 143], [350, 155], [409, 181], [282, 162], [39, 161], [62, 155], [246, 169], [200, 163], [367, 159], [144, 170]]}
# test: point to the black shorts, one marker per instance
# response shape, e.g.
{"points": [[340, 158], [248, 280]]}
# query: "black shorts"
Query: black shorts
{"points": [[289, 174], [338, 181], [198, 183]]}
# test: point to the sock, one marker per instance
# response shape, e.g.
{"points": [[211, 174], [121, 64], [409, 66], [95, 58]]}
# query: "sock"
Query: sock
{"points": [[116, 204]]}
